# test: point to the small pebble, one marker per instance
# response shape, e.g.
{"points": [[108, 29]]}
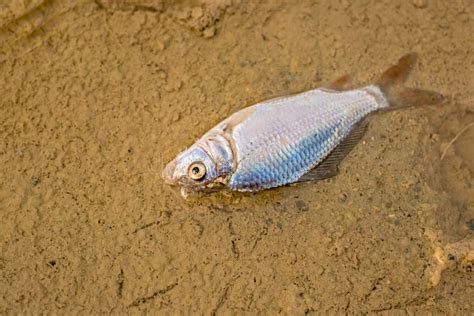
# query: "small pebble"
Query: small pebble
{"points": [[419, 3], [197, 13], [209, 32]]}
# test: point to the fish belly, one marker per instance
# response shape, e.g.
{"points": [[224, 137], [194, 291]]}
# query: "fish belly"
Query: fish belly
{"points": [[285, 138]]}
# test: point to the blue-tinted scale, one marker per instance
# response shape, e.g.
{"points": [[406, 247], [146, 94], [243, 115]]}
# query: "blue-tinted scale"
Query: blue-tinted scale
{"points": [[289, 166]]}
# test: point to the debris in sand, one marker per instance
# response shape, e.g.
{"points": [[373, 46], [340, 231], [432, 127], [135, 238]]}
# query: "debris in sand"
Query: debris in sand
{"points": [[452, 255], [455, 138]]}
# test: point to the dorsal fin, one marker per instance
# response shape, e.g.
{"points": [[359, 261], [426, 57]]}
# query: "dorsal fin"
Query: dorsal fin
{"points": [[329, 166], [340, 84], [398, 73]]}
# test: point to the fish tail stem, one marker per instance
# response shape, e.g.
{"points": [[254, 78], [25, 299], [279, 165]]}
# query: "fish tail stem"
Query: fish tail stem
{"points": [[391, 82]]}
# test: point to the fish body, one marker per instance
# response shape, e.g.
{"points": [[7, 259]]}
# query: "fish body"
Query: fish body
{"points": [[302, 137], [285, 138]]}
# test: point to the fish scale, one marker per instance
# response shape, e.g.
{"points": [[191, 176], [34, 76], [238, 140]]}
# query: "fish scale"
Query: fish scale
{"points": [[312, 123]]}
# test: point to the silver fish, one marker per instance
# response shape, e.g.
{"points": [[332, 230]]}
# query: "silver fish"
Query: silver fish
{"points": [[298, 138]]}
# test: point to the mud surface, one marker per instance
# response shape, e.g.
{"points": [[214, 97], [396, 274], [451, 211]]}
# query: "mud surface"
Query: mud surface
{"points": [[97, 95]]}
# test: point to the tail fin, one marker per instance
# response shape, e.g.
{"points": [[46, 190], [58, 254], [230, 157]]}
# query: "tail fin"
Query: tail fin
{"points": [[398, 96]]}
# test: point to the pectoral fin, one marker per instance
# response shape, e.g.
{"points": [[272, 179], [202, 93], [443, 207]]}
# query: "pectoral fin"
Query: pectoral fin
{"points": [[329, 167]]}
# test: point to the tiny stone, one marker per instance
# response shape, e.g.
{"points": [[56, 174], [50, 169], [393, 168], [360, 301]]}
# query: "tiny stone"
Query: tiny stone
{"points": [[209, 32], [196, 13], [419, 3], [160, 45], [162, 74], [342, 197], [35, 181], [175, 117], [301, 206]]}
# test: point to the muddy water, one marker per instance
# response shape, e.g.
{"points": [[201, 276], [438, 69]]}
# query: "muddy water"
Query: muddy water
{"points": [[97, 95]]}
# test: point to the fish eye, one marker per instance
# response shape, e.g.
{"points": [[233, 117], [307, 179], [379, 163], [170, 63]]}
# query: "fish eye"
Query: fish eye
{"points": [[197, 171]]}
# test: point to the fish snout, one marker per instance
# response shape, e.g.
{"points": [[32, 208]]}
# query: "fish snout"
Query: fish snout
{"points": [[168, 172]]}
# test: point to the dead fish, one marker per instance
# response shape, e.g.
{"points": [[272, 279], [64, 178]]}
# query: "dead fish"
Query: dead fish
{"points": [[297, 138]]}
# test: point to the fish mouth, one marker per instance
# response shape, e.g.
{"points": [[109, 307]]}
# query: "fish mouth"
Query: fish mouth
{"points": [[168, 173]]}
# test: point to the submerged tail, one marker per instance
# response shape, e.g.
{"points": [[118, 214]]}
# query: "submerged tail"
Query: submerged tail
{"points": [[398, 96]]}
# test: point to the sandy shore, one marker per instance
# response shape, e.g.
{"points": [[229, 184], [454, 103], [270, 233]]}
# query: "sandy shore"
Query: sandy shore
{"points": [[96, 96]]}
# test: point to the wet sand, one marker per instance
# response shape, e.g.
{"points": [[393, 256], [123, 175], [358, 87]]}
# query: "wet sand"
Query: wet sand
{"points": [[98, 95]]}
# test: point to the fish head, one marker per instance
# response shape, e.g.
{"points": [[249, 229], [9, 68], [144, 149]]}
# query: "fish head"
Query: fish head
{"points": [[191, 168], [204, 166]]}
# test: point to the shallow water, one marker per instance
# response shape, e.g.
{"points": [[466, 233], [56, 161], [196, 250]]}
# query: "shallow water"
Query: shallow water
{"points": [[98, 95]]}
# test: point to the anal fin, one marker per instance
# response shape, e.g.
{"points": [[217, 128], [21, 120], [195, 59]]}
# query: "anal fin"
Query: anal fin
{"points": [[329, 167]]}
